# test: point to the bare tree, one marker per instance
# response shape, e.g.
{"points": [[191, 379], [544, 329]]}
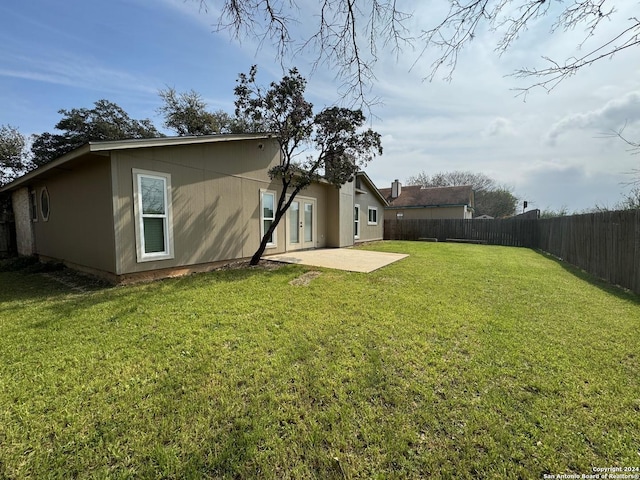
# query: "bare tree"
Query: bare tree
{"points": [[630, 200], [634, 148], [348, 34], [490, 198]]}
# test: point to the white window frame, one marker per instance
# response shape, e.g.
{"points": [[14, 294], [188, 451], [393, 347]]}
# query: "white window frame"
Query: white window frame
{"points": [[33, 205], [168, 252], [44, 193], [369, 210], [356, 221], [274, 238]]}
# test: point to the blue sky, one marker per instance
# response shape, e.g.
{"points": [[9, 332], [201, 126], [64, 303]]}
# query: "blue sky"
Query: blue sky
{"points": [[550, 149]]}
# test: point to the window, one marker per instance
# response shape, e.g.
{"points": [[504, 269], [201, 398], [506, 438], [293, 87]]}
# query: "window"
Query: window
{"points": [[154, 229], [356, 221], [267, 215], [373, 216], [33, 206], [44, 204]]}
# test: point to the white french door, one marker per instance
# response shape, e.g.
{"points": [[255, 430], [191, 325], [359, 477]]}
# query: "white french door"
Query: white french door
{"points": [[301, 224]]}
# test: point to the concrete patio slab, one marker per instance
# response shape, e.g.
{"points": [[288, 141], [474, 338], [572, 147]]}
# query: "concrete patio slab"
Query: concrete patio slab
{"points": [[348, 259]]}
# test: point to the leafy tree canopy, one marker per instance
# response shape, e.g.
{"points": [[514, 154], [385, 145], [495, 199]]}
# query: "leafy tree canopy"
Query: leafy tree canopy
{"points": [[13, 156], [490, 198], [105, 121], [335, 136], [186, 113]]}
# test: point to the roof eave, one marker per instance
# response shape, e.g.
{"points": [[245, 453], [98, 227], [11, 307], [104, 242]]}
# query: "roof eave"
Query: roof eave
{"points": [[27, 177], [173, 141], [439, 205], [373, 187], [110, 145]]}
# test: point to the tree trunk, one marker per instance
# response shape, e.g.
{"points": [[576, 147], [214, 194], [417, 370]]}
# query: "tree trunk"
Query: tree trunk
{"points": [[281, 209], [263, 245], [265, 239]]}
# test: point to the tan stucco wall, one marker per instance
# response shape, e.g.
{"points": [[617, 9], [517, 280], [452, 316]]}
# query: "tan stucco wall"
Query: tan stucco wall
{"points": [[80, 225], [215, 195], [346, 204], [428, 213], [366, 200], [333, 217], [215, 199], [24, 228]]}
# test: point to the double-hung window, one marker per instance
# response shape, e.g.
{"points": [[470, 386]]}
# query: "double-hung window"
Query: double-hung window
{"points": [[33, 206], [154, 229], [267, 215], [356, 221], [373, 216]]}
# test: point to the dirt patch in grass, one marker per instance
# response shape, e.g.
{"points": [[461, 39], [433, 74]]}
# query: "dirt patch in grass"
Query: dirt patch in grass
{"points": [[76, 281], [263, 265], [305, 278]]}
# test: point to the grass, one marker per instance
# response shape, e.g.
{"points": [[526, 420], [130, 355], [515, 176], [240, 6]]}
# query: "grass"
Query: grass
{"points": [[461, 361]]}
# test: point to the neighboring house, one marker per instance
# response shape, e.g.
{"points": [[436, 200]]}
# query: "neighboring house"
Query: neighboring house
{"points": [[417, 202], [150, 208], [484, 217], [528, 215]]}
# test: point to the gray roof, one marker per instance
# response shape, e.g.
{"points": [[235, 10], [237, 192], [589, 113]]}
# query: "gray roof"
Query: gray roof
{"points": [[418, 196], [107, 146]]}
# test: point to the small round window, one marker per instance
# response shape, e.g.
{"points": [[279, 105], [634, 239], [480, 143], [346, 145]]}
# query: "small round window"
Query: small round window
{"points": [[44, 204]]}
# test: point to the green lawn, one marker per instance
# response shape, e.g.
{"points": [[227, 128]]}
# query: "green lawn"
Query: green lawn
{"points": [[460, 361]]}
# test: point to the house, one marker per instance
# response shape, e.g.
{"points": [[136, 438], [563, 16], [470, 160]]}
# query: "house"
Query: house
{"points": [[417, 202], [528, 215], [368, 210], [148, 208]]}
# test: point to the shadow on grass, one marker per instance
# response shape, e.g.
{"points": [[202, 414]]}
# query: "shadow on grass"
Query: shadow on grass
{"points": [[615, 290], [23, 279], [27, 279], [241, 273], [65, 294]]}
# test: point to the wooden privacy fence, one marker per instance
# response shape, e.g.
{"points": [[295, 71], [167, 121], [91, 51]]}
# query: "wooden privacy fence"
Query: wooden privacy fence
{"points": [[514, 233], [605, 244]]}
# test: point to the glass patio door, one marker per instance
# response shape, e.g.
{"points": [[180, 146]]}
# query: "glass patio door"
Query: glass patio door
{"points": [[301, 224]]}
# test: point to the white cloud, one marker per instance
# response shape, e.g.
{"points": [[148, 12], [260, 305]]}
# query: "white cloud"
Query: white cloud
{"points": [[549, 185], [59, 67], [499, 127], [612, 116]]}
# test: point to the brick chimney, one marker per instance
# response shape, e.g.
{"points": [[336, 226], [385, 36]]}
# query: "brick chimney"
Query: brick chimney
{"points": [[396, 188]]}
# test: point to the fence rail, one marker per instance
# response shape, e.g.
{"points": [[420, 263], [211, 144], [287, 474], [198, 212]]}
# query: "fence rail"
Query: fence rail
{"points": [[606, 244]]}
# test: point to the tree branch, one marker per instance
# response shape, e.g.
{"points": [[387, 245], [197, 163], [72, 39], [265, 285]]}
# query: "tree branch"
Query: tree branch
{"points": [[556, 73], [348, 35]]}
